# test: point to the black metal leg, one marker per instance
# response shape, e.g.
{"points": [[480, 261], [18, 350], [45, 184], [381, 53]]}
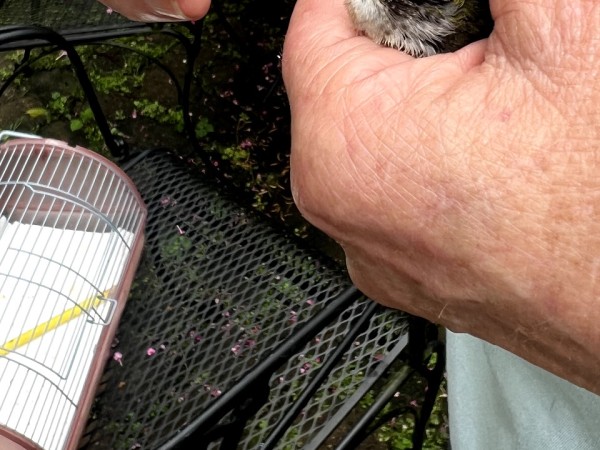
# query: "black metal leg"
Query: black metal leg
{"points": [[434, 380], [116, 145], [231, 433]]}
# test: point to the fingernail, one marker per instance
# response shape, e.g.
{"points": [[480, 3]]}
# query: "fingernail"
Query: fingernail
{"points": [[178, 13]]}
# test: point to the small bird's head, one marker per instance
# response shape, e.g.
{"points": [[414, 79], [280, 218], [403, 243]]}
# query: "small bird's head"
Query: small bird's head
{"points": [[422, 27]]}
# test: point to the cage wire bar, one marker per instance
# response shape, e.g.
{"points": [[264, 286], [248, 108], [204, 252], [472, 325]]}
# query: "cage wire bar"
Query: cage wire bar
{"points": [[71, 232]]}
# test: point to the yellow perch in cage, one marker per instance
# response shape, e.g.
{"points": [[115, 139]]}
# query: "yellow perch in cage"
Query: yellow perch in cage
{"points": [[52, 324]]}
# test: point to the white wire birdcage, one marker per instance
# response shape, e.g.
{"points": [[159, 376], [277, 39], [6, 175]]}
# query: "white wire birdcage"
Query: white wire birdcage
{"points": [[71, 232]]}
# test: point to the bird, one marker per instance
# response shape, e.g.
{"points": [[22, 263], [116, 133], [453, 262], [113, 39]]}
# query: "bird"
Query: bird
{"points": [[422, 27]]}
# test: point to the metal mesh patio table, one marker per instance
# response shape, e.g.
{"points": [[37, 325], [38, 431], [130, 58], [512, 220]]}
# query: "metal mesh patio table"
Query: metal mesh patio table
{"points": [[218, 294]]}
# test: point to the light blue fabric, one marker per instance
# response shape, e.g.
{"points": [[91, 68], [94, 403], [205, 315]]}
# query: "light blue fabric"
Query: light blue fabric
{"points": [[499, 401]]}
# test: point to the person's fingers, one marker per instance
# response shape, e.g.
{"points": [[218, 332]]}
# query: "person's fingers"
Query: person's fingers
{"points": [[194, 9], [160, 10], [546, 33]]}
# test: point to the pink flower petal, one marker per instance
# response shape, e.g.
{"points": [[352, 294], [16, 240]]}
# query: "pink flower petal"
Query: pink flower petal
{"points": [[151, 351], [246, 143], [166, 201], [305, 367], [118, 357]]}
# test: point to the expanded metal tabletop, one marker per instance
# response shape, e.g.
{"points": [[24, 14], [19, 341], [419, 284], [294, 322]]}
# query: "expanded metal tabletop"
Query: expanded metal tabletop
{"points": [[60, 15], [218, 294]]}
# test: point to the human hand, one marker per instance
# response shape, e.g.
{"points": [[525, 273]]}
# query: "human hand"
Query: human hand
{"points": [[463, 187], [160, 10]]}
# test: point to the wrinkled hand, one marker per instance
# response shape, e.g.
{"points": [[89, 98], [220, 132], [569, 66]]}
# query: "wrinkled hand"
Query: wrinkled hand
{"points": [[160, 10], [465, 187]]}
